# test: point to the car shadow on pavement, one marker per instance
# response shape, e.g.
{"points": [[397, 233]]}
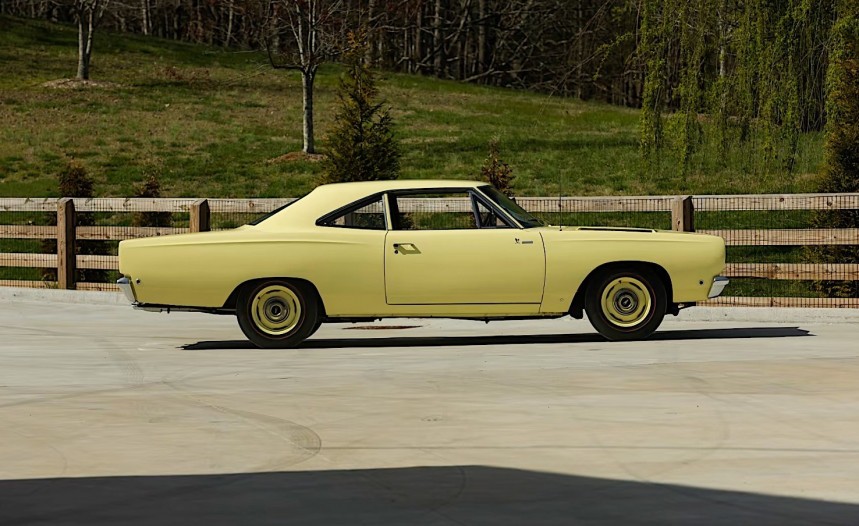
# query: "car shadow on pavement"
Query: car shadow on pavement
{"points": [[398, 496], [522, 339]]}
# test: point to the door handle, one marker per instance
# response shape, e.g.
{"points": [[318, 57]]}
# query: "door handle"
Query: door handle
{"points": [[402, 246]]}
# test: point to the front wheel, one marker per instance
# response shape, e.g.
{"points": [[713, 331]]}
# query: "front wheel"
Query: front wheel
{"points": [[277, 314], [626, 304]]}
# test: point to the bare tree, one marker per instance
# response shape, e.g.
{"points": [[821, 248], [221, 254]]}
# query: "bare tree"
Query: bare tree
{"points": [[304, 33], [89, 13], [145, 17]]}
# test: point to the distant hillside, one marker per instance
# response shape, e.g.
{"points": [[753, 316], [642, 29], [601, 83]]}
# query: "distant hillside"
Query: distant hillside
{"points": [[215, 123]]}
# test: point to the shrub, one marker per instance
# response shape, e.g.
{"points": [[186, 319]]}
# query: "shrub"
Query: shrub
{"points": [[74, 181], [497, 172], [150, 187]]}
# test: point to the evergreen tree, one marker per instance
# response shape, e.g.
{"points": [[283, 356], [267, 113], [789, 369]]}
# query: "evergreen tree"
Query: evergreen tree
{"points": [[362, 145]]}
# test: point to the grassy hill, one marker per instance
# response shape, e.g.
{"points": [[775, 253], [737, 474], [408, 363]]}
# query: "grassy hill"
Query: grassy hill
{"points": [[213, 123]]}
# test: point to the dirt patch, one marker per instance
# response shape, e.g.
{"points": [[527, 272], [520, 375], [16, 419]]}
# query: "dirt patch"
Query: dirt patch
{"points": [[79, 84], [292, 157]]}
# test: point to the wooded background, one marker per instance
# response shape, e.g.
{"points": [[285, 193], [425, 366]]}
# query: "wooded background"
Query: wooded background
{"points": [[746, 75], [591, 49]]}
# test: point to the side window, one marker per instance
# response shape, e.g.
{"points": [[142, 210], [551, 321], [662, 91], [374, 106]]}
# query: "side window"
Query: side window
{"points": [[488, 217], [367, 216], [433, 211]]}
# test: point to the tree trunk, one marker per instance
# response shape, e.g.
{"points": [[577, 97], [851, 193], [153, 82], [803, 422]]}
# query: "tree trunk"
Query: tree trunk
{"points": [[232, 8], [144, 16], [438, 41], [723, 38], [418, 58], [307, 78], [371, 32], [580, 52], [84, 43], [481, 36]]}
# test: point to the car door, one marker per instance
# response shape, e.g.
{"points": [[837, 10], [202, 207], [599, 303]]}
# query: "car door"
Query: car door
{"points": [[450, 247]]}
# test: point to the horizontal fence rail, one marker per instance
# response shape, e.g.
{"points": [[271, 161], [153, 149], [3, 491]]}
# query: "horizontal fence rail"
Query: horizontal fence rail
{"points": [[771, 239], [791, 236]]}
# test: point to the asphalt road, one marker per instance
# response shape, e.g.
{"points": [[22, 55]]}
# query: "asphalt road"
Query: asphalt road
{"points": [[109, 416]]}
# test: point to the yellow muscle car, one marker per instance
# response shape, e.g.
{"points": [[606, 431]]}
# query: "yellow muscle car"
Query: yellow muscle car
{"points": [[364, 251]]}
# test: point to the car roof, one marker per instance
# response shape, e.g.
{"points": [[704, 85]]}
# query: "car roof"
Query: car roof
{"points": [[401, 184], [329, 197]]}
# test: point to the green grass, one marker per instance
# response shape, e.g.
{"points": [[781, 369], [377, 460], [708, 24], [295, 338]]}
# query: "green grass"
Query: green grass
{"points": [[211, 123]]}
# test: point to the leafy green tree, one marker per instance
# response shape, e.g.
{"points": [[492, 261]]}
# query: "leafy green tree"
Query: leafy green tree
{"points": [[362, 145], [745, 77], [841, 166]]}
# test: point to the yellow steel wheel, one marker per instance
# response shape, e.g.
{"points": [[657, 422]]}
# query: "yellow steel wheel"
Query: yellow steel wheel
{"points": [[275, 310], [626, 301], [278, 313]]}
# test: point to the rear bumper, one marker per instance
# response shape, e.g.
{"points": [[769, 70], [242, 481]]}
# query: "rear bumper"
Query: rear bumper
{"points": [[127, 289], [719, 284]]}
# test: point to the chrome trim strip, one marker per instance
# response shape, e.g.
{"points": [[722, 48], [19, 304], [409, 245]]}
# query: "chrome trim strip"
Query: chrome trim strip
{"points": [[719, 284], [144, 308], [126, 288]]}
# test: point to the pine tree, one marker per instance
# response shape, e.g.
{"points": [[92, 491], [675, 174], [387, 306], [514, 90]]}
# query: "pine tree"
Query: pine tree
{"points": [[362, 145]]}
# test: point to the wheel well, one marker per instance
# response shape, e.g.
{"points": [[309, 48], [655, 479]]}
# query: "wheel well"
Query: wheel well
{"points": [[577, 307], [232, 300]]}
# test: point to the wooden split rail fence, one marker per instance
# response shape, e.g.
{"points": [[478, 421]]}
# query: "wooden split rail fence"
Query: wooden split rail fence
{"points": [[683, 210]]}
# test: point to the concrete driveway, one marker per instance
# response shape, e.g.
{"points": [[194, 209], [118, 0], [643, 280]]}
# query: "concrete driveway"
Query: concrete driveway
{"points": [[110, 416]]}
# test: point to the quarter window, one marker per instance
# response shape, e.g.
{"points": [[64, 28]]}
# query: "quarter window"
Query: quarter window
{"points": [[366, 216]]}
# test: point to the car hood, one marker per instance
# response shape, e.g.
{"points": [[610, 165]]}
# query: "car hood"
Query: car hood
{"points": [[621, 234]]}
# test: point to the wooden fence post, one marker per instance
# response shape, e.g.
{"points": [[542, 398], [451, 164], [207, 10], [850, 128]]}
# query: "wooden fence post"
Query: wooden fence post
{"points": [[66, 244], [683, 214], [200, 216]]}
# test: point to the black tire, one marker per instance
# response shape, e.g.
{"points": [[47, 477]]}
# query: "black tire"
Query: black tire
{"points": [[626, 303], [277, 314], [315, 328]]}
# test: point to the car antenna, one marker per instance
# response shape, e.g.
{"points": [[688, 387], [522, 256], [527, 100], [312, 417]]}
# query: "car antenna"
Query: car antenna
{"points": [[560, 193]]}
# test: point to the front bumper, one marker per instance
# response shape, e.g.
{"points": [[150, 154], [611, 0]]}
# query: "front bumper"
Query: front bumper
{"points": [[127, 289], [719, 284]]}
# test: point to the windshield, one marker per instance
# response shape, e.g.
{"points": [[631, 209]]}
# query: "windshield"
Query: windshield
{"points": [[519, 214]]}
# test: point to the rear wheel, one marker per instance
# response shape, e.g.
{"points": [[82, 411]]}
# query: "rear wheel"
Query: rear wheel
{"points": [[278, 313], [626, 304]]}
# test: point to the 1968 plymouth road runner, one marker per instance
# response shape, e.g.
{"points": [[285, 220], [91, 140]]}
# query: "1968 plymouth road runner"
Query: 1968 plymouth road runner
{"points": [[363, 251]]}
